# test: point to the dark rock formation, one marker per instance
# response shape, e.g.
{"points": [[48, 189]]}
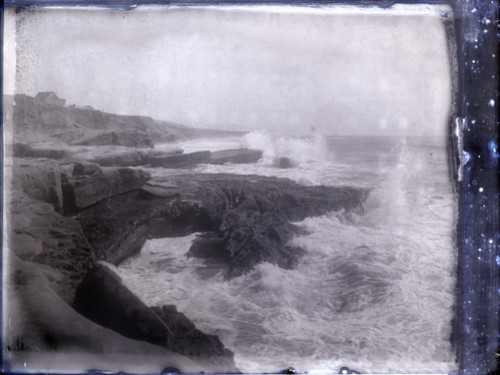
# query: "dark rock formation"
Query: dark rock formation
{"points": [[284, 162], [252, 215], [40, 321], [85, 184], [210, 246], [190, 341], [102, 298], [239, 156]]}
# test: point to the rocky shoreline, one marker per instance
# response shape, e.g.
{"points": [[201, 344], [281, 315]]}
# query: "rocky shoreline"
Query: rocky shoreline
{"points": [[79, 200]]}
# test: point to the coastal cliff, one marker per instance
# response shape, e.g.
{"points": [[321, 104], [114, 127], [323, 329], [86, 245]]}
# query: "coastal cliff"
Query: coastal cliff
{"points": [[80, 199]]}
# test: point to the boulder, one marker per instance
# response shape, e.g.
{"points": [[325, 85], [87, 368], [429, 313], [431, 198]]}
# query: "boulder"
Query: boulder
{"points": [[178, 161], [239, 156], [284, 162], [85, 185], [39, 179], [102, 298]]}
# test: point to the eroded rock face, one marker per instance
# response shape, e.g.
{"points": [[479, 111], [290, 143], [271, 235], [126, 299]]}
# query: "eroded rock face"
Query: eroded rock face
{"points": [[251, 215]]}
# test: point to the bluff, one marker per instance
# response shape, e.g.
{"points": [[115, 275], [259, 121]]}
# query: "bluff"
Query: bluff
{"points": [[39, 120]]}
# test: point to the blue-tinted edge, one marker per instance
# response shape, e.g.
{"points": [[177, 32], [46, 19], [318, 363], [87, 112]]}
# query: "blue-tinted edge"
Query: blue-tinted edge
{"points": [[476, 328]]}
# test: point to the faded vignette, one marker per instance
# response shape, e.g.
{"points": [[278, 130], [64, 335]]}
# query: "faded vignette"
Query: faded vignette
{"points": [[263, 188]]}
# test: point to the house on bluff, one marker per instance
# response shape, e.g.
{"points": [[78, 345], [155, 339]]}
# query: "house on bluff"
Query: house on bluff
{"points": [[49, 97]]}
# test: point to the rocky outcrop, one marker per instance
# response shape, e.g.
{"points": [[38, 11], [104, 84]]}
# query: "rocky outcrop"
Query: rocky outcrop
{"points": [[190, 341], [49, 257], [245, 219], [251, 215], [284, 162], [85, 184], [238, 156], [174, 158], [42, 323], [102, 298], [211, 247]]}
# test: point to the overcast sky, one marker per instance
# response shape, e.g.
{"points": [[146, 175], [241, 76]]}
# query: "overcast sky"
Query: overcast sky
{"points": [[283, 69]]}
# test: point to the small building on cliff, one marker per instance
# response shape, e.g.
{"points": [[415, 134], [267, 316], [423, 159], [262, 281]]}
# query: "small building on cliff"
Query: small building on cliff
{"points": [[49, 97]]}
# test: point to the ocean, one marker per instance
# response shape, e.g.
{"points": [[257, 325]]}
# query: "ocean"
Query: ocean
{"points": [[374, 290]]}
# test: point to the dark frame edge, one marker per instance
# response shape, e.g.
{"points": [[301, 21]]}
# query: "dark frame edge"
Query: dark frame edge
{"points": [[472, 337]]}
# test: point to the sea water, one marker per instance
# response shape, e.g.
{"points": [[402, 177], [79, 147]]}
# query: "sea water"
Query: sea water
{"points": [[374, 290]]}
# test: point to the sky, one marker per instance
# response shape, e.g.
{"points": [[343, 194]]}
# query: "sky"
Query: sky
{"points": [[282, 69]]}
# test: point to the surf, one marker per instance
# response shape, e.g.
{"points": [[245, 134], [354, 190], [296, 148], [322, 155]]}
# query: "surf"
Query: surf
{"points": [[364, 292]]}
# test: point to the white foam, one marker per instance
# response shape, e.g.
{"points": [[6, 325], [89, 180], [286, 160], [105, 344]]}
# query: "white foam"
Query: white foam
{"points": [[374, 290], [300, 150]]}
